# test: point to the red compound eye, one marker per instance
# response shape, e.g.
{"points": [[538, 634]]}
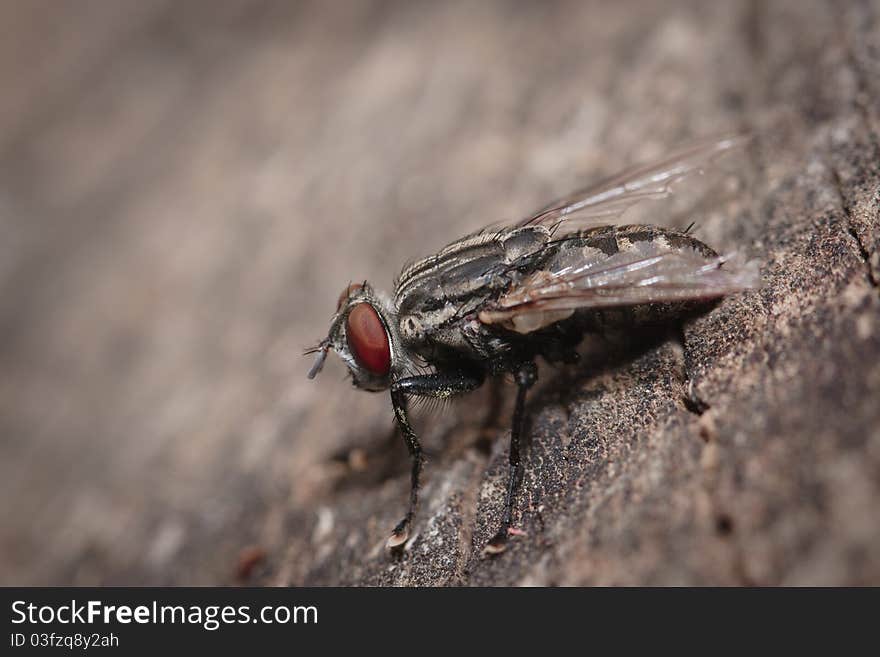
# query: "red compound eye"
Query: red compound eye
{"points": [[368, 340]]}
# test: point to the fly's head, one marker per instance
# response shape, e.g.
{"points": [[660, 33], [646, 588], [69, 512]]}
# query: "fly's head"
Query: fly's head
{"points": [[360, 333]]}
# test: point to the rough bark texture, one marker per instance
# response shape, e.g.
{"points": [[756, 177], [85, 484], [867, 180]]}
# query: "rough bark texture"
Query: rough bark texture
{"points": [[184, 190]]}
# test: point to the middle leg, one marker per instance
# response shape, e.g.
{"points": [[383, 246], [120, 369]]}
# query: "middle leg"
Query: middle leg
{"points": [[525, 376]]}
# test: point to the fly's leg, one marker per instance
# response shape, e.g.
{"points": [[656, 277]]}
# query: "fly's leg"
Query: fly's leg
{"points": [[692, 400], [525, 377], [401, 531], [427, 385]]}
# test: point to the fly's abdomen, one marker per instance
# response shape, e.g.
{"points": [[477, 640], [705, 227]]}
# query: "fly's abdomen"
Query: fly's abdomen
{"points": [[589, 249], [597, 244], [634, 273]]}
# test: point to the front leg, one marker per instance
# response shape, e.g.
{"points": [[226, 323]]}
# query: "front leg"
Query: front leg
{"points": [[525, 377], [425, 385]]}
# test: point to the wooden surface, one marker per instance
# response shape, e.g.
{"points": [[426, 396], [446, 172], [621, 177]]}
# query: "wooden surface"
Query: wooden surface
{"points": [[185, 189]]}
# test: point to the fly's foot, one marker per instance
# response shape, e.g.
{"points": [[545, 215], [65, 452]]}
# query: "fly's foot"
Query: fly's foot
{"points": [[498, 544], [399, 535], [693, 402]]}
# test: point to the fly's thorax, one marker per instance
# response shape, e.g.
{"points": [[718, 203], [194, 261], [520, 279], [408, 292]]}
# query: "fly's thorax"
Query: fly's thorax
{"points": [[465, 264], [416, 326], [364, 335], [434, 293], [412, 328]]}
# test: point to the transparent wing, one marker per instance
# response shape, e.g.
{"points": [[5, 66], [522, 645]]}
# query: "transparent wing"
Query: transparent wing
{"points": [[645, 274], [610, 198]]}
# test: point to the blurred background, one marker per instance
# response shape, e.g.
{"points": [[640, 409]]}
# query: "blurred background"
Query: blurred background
{"points": [[185, 188]]}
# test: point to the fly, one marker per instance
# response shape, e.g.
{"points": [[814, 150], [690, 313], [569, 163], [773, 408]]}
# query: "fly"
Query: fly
{"points": [[490, 303]]}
